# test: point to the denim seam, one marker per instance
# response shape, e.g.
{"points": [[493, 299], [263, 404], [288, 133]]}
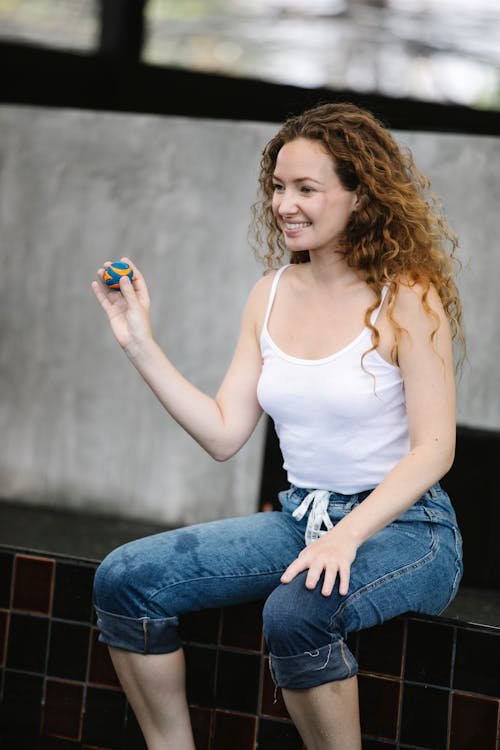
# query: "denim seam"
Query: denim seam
{"points": [[428, 557], [344, 656], [211, 578], [145, 621], [458, 571]]}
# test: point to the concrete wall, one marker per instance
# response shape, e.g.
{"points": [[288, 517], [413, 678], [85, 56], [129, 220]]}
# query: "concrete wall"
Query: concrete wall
{"points": [[77, 427]]}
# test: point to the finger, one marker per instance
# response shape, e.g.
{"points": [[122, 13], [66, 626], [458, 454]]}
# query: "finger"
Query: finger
{"points": [[293, 569], [127, 288], [329, 581], [313, 577], [138, 281], [344, 578]]}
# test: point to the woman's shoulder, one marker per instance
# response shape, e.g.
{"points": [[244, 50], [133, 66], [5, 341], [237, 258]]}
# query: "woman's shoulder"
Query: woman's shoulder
{"points": [[258, 299], [261, 295], [416, 300], [262, 287]]}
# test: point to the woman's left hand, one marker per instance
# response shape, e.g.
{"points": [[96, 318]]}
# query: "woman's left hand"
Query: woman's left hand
{"points": [[331, 554]]}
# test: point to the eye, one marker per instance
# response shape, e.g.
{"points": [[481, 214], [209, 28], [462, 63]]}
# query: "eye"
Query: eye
{"points": [[277, 187], [306, 190]]}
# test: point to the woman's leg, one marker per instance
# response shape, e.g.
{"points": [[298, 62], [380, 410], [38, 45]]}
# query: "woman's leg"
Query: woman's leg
{"points": [[155, 687], [141, 589], [327, 716], [404, 568]]}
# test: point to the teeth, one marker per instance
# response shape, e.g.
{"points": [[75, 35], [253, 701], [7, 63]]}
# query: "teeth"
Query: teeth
{"points": [[303, 225]]}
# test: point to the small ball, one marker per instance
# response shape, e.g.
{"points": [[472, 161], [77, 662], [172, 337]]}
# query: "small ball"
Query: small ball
{"points": [[114, 272]]}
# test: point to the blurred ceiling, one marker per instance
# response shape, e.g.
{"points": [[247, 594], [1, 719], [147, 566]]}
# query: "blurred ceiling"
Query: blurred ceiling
{"points": [[445, 51]]}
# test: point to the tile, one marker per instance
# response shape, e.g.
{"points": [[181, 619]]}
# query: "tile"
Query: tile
{"points": [[134, 739], [424, 719], [20, 711], [73, 592], [379, 706], [272, 703], [104, 718], [429, 651], [477, 662], [201, 722], [32, 584], [274, 734], [69, 650], [101, 670], [4, 624], [233, 731], [27, 645], [200, 675], [237, 681], [242, 626], [56, 743], [6, 567], [474, 723], [200, 627], [380, 649], [63, 709]]}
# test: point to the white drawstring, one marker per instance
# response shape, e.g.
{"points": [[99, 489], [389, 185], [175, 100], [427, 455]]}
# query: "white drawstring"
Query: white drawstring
{"points": [[317, 516]]}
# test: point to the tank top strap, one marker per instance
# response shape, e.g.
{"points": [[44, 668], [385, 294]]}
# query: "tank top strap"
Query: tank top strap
{"points": [[375, 313], [272, 293]]}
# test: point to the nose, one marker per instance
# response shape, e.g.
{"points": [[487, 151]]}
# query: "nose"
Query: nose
{"points": [[286, 203]]}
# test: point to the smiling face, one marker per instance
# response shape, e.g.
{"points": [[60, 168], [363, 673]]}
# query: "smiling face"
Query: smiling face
{"points": [[310, 204]]}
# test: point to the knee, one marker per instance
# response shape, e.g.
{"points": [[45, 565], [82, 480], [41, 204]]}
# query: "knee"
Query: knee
{"points": [[111, 583], [306, 642], [288, 620]]}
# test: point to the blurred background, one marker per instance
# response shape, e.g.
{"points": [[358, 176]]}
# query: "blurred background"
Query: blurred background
{"points": [[430, 50]]}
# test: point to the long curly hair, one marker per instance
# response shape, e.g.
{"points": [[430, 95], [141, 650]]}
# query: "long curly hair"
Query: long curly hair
{"points": [[397, 234]]}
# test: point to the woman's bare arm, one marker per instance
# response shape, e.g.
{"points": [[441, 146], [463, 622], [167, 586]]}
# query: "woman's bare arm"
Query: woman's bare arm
{"points": [[221, 425]]}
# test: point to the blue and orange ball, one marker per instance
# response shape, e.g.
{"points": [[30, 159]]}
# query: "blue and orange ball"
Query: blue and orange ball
{"points": [[114, 272]]}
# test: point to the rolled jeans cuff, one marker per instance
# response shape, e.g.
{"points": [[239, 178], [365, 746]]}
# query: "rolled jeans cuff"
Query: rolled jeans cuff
{"points": [[145, 635], [329, 663]]}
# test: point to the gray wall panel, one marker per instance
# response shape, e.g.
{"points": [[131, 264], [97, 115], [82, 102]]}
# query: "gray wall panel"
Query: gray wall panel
{"points": [[77, 427]]}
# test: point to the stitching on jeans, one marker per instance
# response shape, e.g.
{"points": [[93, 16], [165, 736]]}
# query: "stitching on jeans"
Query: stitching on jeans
{"points": [[344, 657], [212, 578], [458, 570], [317, 669], [145, 621], [427, 558]]}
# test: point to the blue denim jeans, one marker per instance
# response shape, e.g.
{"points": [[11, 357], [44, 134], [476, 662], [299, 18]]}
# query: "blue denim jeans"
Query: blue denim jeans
{"points": [[413, 565]]}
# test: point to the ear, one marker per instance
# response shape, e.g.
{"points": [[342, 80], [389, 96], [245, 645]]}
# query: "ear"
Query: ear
{"points": [[359, 200]]}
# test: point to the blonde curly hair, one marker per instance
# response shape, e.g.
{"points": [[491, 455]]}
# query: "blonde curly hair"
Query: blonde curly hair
{"points": [[397, 234]]}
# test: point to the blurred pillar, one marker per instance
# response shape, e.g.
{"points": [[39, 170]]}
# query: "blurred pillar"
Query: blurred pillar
{"points": [[122, 29]]}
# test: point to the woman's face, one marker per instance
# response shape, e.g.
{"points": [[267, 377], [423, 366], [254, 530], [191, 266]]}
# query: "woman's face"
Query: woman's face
{"points": [[310, 204]]}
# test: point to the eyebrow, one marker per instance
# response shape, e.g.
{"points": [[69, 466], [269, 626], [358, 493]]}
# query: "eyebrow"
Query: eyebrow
{"points": [[298, 179]]}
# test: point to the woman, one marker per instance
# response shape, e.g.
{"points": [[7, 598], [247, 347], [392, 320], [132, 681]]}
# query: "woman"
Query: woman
{"points": [[349, 349]]}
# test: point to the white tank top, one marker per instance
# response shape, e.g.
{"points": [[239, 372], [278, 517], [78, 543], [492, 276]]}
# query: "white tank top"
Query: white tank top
{"points": [[338, 428]]}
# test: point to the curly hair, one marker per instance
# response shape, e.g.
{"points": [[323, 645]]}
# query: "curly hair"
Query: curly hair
{"points": [[399, 232]]}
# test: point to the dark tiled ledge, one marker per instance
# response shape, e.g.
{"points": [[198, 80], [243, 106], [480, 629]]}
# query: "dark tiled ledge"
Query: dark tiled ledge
{"points": [[425, 682]]}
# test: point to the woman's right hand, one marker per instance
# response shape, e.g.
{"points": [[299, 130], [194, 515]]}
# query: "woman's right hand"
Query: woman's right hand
{"points": [[128, 310]]}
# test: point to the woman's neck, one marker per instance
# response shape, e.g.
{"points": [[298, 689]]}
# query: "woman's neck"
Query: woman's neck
{"points": [[327, 269]]}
